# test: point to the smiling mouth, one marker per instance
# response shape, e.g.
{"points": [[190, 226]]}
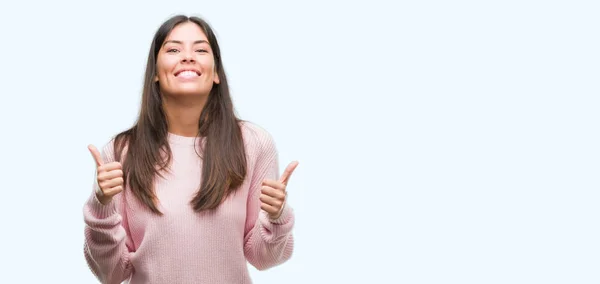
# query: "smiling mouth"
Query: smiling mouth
{"points": [[187, 74]]}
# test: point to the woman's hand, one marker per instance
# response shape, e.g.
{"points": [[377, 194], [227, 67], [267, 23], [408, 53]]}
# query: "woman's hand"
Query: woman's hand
{"points": [[273, 193], [109, 177]]}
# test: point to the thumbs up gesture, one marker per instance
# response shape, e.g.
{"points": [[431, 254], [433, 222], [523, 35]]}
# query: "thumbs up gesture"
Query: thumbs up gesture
{"points": [[273, 193], [109, 177]]}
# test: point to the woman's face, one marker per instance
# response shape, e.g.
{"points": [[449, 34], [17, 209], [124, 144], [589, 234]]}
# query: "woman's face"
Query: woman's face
{"points": [[185, 64]]}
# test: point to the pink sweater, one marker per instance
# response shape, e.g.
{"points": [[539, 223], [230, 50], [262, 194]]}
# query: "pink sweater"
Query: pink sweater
{"points": [[124, 240]]}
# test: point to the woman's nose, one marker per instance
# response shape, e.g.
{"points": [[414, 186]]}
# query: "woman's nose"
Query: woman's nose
{"points": [[188, 57]]}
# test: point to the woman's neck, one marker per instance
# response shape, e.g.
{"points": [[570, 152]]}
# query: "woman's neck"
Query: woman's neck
{"points": [[183, 114]]}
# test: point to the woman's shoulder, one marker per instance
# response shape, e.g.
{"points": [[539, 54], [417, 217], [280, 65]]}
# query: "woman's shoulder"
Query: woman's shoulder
{"points": [[256, 136], [119, 142], [253, 128]]}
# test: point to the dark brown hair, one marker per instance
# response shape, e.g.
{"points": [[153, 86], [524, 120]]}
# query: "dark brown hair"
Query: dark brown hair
{"points": [[148, 151]]}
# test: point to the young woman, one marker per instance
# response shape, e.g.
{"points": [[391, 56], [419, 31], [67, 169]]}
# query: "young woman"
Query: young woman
{"points": [[190, 193]]}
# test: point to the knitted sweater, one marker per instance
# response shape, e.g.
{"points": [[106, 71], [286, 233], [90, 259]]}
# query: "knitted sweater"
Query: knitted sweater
{"points": [[125, 241]]}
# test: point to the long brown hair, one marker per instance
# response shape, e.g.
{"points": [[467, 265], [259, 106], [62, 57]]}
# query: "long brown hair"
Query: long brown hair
{"points": [[148, 151]]}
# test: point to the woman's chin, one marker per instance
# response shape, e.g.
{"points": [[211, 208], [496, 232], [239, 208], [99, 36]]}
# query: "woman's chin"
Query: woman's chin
{"points": [[190, 92]]}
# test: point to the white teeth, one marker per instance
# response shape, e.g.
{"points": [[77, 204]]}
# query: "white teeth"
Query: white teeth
{"points": [[187, 74]]}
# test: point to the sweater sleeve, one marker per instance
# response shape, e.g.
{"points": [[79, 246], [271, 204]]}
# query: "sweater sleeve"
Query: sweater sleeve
{"points": [[107, 245], [267, 242]]}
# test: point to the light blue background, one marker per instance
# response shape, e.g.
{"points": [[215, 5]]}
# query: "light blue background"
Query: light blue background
{"points": [[439, 141]]}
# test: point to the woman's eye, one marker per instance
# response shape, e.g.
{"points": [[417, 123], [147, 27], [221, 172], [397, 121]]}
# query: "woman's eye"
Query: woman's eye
{"points": [[202, 50], [172, 50]]}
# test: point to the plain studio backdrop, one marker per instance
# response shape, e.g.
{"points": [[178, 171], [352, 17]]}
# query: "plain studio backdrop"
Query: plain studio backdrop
{"points": [[439, 141]]}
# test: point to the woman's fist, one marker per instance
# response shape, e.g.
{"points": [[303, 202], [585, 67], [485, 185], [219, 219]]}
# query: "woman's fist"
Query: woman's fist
{"points": [[109, 177]]}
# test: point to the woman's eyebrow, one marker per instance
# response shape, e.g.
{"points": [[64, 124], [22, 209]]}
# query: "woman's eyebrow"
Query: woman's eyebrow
{"points": [[180, 42]]}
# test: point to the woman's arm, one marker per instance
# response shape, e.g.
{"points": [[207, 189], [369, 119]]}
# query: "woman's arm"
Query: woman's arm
{"points": [[268, 242], [107, 246]]}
